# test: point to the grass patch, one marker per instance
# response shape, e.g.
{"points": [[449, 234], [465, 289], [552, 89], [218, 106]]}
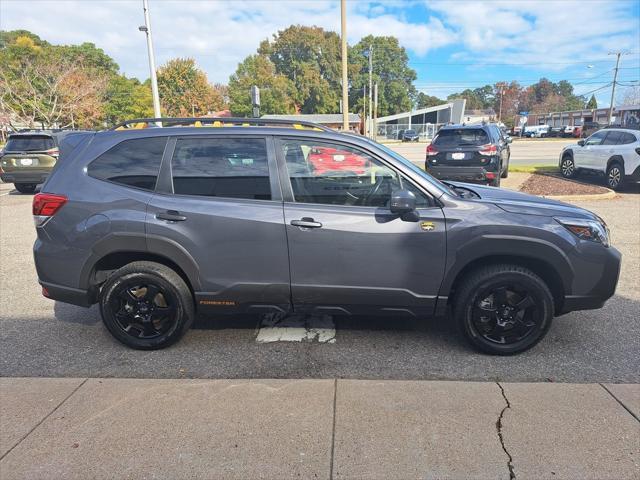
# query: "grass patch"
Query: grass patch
{"points": [[533, 168]]}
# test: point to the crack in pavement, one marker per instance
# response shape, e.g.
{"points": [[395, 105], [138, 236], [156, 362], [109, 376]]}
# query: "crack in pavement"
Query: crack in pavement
{"points": [[512, 473]]}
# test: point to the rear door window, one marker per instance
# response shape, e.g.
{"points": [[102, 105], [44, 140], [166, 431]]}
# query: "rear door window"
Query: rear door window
{"points": [[30, 143], [221, 167], [134, 163], [612, 138], [461, 137]]}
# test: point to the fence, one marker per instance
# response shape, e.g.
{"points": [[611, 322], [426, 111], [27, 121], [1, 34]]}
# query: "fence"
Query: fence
{"points": [[393, 131]]}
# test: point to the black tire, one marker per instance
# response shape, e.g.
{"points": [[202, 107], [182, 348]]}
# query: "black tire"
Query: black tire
{"points": [[505, 172], [25, 187], [615, 176], [133, 295], [568, 167], [479, 320]]}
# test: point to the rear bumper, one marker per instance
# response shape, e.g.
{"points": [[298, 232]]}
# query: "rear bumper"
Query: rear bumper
{"points": [[633, 176], [25, 176], [64, 294], [463, 174], [602, 291]]}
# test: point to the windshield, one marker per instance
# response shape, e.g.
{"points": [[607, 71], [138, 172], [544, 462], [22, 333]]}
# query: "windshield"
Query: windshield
{"points": [[412, 166], [462, 136], [31, 143]]}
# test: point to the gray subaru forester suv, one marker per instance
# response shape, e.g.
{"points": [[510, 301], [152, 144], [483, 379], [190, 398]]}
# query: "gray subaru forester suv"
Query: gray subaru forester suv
{"points": [[238, 215]]}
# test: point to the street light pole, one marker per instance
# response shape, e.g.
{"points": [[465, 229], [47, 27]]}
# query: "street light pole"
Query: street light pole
{"points": [[152, 61], [370, 88], [345, 86]]}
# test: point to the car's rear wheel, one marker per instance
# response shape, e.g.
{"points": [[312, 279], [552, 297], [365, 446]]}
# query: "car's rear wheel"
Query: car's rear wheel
{"points": [[615, 176], [568, 167], [146, 305], [503, 309], [25, 187], [505, 172]]}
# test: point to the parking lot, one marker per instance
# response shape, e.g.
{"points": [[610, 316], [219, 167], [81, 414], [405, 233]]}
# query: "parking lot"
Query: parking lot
{"points": [[533, 151], [41, 338]]}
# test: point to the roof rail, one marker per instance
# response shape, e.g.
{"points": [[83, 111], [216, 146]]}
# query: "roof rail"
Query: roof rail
{"points": [[138, 123]]}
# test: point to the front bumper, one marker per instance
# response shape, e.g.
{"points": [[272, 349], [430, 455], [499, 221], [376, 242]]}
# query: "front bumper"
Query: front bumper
{"points": [[462, 174], [602, 290]]}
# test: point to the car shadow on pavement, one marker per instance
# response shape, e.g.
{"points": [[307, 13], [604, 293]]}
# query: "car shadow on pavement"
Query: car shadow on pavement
{"points": [[74, 314]]}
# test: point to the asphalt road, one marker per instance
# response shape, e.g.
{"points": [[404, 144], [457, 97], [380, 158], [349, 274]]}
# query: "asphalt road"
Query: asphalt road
{"points": [[39, 337], [534, 151]]}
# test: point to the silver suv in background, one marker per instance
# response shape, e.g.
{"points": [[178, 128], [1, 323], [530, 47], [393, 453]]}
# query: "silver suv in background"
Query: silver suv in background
{"points": [[612, 152]]}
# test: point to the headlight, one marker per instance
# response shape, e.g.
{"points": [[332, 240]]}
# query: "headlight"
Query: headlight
{"points": [[584, 229]]}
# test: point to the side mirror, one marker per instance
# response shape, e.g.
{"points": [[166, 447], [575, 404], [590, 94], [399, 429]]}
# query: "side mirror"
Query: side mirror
{"points": [[403, 203], [508, 139], [581, 143]]}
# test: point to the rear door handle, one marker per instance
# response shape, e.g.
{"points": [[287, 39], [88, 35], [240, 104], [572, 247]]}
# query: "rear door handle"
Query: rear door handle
{"points": [[306, 222], [171, 216]]}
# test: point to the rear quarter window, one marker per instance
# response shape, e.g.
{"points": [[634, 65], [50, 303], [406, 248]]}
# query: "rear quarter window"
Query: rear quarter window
{"points": [[30, 143], [134, 163]]}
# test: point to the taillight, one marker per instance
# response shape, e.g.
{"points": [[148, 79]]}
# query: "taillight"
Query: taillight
{"points": [[45, 206], [431, 150], [54, 152], [488, 149]]}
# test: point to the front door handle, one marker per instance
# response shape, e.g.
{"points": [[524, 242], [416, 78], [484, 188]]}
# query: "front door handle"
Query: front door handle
{"points": [[306, 222], [171, 216]]}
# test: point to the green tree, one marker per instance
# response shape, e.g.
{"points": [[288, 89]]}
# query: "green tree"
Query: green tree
{"points": [[593, 103], [276, 90], [127, 98], [390, 70], [184, 89], [425, 101], [310, 58], [473, 102]]}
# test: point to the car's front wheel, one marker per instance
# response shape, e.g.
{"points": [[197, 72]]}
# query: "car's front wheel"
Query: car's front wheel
{"points": [[568, 167], [615, 176], [25, 187], [503, 309], [146, 305]]}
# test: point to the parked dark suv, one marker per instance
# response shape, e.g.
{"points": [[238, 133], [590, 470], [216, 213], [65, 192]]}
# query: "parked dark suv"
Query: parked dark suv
{"points": [[470, 153], [158, 224]]}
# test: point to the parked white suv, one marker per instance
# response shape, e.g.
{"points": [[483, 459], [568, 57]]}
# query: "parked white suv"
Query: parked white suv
{"points": [[614, 152]]}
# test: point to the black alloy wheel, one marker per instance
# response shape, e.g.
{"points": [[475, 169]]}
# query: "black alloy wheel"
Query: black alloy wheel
{"points": [[503, 309], [146, 305]]}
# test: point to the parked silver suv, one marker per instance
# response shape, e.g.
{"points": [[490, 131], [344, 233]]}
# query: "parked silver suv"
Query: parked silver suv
{"points": [[613, 152], [158, 224]]}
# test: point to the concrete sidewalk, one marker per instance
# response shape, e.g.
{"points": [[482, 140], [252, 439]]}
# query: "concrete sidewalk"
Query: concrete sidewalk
{"points": [[356, 429]]}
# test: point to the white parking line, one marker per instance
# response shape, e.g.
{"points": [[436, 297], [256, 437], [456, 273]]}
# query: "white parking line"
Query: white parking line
{"points": [[296, 328]]}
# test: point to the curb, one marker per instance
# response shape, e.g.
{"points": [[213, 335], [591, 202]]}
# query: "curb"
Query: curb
{"points": [[594, 196]]}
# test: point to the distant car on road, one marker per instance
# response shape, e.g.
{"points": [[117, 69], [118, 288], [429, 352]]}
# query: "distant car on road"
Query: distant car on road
{"points": [[589, 128], [469, 153], [325, 160], [613, 152], [29, 157], [555, 131], [410, 136], [536, 131]]}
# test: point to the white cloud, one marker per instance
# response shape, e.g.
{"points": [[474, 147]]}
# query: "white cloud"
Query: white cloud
{"points": [[219, 34]]}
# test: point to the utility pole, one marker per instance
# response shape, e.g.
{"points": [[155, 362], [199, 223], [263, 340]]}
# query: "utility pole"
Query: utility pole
{"points": [[613, 86], [364, 107], [152, 61], [375, 111], [370, 87], [500, 111], [345, 81]]}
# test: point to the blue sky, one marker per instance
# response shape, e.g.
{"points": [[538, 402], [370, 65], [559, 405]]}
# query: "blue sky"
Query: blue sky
{"points": [[451, 44]]}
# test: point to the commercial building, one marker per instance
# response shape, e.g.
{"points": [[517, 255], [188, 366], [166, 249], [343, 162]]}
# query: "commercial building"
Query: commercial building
{"points": [[624, 115], [425, 121]]}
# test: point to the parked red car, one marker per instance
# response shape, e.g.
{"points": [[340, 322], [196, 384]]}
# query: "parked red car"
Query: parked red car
{"points": [[325, 160]]}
